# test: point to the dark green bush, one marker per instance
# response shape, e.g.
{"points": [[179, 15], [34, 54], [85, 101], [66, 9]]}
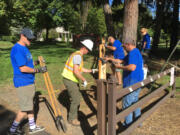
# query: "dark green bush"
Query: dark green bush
{"points": [[53, 34], [9, 38]]}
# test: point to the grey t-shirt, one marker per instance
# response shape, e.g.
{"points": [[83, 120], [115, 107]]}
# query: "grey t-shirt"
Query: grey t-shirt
{"points": [[77, 59]]}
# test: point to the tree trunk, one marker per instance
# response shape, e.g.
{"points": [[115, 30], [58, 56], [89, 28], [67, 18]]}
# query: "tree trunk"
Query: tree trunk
{"points": [[175, 25], [130, 20], [158, 23], [47, 34], [85, 5], [108, 18]]}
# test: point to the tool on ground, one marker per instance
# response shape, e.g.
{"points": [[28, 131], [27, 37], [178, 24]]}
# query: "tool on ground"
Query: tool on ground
{"points": [[174, 49], [60, 124], [167, 61]]}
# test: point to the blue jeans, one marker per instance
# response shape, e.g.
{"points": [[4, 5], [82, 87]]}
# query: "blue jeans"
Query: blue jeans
{"points": [[128, 101]]}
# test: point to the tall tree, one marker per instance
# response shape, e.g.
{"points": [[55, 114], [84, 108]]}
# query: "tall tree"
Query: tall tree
{"points": [[108, 18], [45, 14], [6, 7], [175, 24], [130, 20], [158, 23], [85, 5], [82, 6]]}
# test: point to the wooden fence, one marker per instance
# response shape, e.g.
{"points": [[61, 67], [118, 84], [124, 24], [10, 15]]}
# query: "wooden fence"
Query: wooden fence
{"points": [[108, 95]]}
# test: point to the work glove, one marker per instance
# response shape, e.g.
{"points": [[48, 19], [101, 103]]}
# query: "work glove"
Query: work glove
{"points": [[84, 83], [94, 70], [41, 70]]}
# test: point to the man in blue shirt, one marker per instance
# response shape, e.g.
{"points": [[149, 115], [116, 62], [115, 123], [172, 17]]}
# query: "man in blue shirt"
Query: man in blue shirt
{"points": [[132, 73], [146, 44], [118, 53], [24, 76]]}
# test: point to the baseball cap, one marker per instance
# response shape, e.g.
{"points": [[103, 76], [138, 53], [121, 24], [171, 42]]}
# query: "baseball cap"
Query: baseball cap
{"points": [[27, 33]]}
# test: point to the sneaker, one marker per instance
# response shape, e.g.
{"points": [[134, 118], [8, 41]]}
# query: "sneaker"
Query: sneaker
{"points": [[35, 130], [17, 132]]}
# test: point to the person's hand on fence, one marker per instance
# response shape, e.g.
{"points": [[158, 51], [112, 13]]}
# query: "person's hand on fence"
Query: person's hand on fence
{"points": [[84, 84], [94, 70], [107, 58], [41, 70]]}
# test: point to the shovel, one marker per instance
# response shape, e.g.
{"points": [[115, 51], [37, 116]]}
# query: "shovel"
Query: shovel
{"points": [[60, 124]]}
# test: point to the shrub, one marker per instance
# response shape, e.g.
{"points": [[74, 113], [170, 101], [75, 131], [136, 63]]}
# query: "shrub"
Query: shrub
{"points": [[9, 38], [53, 34]]}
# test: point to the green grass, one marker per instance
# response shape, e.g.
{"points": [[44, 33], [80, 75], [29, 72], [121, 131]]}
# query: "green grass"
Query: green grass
{"points": [[5, 63], [55, 55]]}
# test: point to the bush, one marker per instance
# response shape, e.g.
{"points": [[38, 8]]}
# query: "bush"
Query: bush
{"points": [[53, 34], [9, 38]]}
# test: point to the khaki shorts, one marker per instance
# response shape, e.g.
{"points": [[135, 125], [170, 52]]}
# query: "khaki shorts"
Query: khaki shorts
{"points": [[26, 95]]}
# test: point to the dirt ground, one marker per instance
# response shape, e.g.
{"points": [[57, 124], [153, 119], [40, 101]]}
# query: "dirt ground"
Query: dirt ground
{"points": [[164, 121]]}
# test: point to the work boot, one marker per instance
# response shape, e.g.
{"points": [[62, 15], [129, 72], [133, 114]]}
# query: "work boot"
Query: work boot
{"points": [[36, 129]]}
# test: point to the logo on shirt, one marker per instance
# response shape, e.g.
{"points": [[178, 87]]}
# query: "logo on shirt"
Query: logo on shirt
{"points": [[29, 56]]}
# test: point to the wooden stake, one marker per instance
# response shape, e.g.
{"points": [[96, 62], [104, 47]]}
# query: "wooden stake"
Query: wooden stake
{"points": [[102, 66]]}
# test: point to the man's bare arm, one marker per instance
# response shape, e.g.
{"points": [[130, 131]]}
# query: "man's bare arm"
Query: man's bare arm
{"points": [[26, 69], [130, 67], [77, 72]]}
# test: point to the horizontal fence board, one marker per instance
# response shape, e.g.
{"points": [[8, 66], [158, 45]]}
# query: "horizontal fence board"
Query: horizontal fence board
{"points": [[144, 116], [144, 100], [150, 79]]}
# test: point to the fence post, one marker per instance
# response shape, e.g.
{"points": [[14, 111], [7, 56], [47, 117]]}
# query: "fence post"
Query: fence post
{"points": [[112, 106], [174, 84], [101, 107]]}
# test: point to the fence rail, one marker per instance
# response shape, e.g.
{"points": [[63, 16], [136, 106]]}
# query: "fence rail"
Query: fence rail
{"points": [[110, 88]]}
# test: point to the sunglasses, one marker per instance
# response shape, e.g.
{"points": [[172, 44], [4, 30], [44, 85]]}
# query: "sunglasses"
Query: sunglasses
{"points": [[29, 39]]}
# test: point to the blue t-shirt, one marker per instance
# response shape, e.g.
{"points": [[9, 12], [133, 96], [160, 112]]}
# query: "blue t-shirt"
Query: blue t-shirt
{"points": [[146, 38], [132, 77], [20, 56], [118, 53]]}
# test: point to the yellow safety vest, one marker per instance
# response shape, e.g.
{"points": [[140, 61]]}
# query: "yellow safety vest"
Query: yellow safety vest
{"points": [[68, 69]]}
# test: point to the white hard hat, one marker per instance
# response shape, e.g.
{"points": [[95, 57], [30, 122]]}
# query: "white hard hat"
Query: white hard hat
{"points": [[88, 43]]}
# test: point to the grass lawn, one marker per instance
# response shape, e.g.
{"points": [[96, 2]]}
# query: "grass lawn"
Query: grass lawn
{"points": [[55, 55]]}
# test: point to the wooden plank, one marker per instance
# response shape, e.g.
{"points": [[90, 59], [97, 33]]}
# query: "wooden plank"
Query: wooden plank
{"points": [[144, 116], [174, 84], [102, 66], [178, 68], [141, 102], [150, 79], [101, 107]]}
